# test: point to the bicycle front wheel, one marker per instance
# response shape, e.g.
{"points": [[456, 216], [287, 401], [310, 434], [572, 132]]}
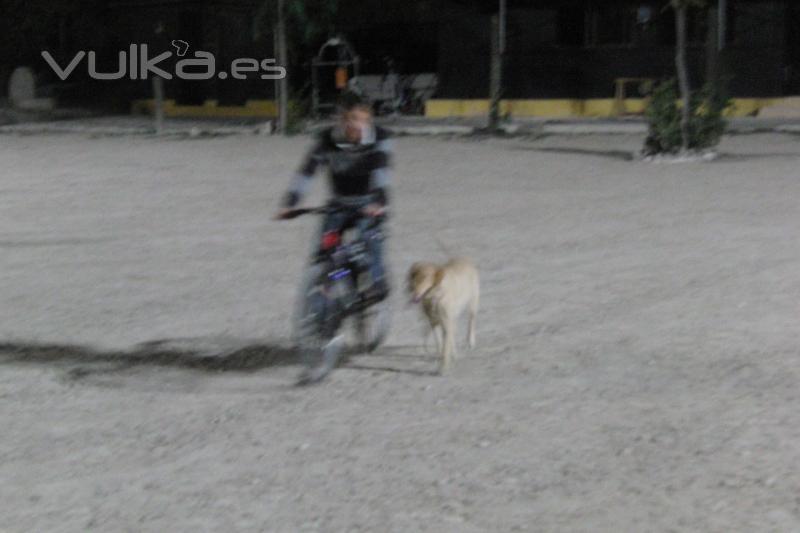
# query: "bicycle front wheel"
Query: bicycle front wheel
{"points": [[316, 324]]}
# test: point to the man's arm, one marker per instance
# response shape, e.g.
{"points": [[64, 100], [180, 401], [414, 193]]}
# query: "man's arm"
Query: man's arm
{"points": [[381, 175], [304, 176]]}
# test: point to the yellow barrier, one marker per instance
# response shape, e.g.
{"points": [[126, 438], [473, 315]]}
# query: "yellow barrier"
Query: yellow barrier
{"points": [[209, 109], [592, 107], [547, 108]]}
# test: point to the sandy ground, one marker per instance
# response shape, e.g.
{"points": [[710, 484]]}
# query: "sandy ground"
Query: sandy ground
{"points": [[637, 367]]}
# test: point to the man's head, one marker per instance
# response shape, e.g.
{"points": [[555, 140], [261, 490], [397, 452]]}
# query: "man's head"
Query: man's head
{"points": [[355, 114]]}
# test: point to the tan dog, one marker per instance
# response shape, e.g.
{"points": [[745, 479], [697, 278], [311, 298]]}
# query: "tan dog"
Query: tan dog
{"points": [[445, 292]]}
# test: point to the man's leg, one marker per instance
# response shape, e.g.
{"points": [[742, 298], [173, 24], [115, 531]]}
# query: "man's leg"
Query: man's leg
{"points": [[330, 222], [374, 237], [317, 368]]}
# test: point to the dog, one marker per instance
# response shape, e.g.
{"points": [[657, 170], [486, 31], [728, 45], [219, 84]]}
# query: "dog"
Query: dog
{"points": [[445, 292]]}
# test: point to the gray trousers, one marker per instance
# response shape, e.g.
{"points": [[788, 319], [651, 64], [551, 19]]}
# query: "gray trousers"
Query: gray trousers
{"points": [[372, 234]]}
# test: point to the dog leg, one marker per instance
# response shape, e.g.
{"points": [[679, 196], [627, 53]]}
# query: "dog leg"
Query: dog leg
{"points": [[432, 330], [448, 345], [471, 332], [473, 314], [437, 337], [426, 336]]}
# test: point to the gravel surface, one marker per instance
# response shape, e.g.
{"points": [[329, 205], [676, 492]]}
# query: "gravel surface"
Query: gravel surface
{"points": [[637, 364]]}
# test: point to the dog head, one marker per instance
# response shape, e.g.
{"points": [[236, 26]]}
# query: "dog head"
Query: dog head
{"points": [[422, 277]]}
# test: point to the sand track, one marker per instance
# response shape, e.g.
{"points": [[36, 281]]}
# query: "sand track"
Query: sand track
{"points": [[637, 365]]}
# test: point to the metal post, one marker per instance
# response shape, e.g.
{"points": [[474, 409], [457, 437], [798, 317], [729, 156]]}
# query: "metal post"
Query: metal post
{"points": [[723, 61], [712, 51], [494, 77], [283, 86], [314, 89], [158, 97], [501, 41], [158, 86], [498, 45], [276, 84]]}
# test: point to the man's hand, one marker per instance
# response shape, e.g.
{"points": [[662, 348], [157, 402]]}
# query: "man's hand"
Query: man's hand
{"points": [[374, 210], [283, 213]]}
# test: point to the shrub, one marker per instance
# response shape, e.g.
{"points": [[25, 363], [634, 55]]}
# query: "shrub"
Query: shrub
{"points": [[299, 110], [706, 125]]}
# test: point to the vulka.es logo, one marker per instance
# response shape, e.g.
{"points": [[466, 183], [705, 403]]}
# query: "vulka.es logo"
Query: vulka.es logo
{"points": [[136, 64]]}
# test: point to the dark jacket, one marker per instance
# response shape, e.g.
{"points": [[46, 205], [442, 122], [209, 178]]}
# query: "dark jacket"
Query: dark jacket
{"points": [[353, 169]]}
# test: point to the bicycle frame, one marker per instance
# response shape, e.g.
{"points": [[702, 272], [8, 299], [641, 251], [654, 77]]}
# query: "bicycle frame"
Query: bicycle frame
{"points": [[333, 294]]}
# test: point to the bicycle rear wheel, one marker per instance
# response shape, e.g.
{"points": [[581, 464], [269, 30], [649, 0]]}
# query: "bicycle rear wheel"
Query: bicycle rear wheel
{"points": [[372, 325]]}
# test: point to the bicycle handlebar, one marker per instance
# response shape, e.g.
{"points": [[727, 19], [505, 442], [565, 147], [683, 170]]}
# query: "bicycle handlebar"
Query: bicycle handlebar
{"points": [[294, 213], [319, 210]]}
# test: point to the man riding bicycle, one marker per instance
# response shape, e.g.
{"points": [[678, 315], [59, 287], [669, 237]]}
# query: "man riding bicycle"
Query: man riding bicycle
{"points": [[358, 157]]}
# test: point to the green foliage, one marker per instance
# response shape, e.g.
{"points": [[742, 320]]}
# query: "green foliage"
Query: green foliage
{"points": [[706, 122], [313, 19], [677, 4], [299, 110], [308, 21]]}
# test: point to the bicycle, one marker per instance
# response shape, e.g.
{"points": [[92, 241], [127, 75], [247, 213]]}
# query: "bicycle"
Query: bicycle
{"points": [[334, 289]]}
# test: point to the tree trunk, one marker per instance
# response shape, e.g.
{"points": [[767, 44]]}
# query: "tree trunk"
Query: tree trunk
{"points": [[498, 50], [495, 76], [712, 50], [283, 84], [683, 74], [158, 99], [723, 70]]}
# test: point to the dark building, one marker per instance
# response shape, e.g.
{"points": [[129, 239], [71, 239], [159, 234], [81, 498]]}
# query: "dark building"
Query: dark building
{"points": [[556, 49], [578, 48], [223, 28]]}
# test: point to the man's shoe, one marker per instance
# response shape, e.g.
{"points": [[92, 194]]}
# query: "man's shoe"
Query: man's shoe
{"points": [[329, 358]]}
